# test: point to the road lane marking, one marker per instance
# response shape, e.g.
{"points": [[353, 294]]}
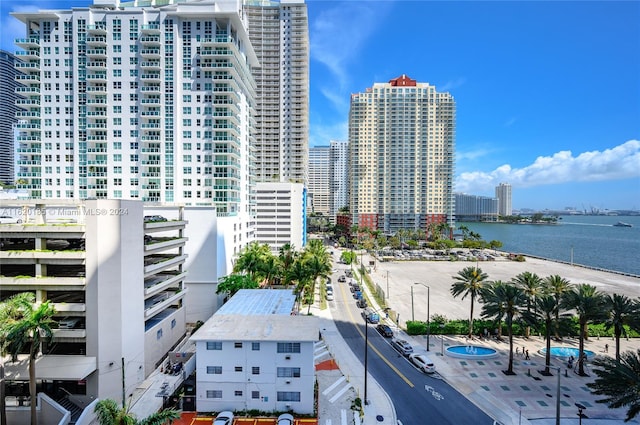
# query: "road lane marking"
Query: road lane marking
{"points": [[339, 393], [395, 369]]}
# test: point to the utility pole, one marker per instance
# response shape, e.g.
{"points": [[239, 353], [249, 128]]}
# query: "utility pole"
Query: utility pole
{"points": [[124, 399], [387, 284], [412, 315]]}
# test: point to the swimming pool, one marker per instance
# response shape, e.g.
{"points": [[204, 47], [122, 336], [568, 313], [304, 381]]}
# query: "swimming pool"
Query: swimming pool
{"points": [[567, 352], [471, 352]]}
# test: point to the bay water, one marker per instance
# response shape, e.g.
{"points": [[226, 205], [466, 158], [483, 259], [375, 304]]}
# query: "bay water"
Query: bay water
{"points": [[591, 241]]}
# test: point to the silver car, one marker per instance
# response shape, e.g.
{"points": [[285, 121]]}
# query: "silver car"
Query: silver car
{"points": [[285, 419], [402, 346]]}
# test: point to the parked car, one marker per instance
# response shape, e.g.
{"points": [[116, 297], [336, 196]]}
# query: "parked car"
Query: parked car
{"points": [[329, 296], [342, 279], [69, 323], [370, 315], [5, 219], [422, 362], [224, 418], [153, 218], [384, 330], [361, 303], [402, 346], [285, 419]]}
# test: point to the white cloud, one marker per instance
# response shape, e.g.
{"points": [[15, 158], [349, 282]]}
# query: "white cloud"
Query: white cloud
{"points": [[336, 36], [451, 84], [618, 163]]}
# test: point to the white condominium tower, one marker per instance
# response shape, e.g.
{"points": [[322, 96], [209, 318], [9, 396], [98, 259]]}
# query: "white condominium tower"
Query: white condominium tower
{"points": [[503, 193], [279, 33], [401, 153], [10, 81], [319, 179], [148, 100], [339, 168]]}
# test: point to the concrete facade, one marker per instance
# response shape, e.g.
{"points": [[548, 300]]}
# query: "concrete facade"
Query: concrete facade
{"points": [[401, 156], [503, 193], [115, 279], [281, 215], [253, 354]]}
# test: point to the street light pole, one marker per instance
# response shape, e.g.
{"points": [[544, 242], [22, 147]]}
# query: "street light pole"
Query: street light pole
{"points": [[413, 318], [428, 302], [366, 352], [558, 400], [387, 284]]}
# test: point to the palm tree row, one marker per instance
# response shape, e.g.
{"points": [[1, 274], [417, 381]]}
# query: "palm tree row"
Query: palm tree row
{"points": [[257, 266], [546, 304]]}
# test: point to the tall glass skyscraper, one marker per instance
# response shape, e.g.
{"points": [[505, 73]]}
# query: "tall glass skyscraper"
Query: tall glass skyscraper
{"points": [[9, 81]]}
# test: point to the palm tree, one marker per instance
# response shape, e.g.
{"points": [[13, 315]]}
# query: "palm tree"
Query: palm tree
{"points": [[557, 286], [589, 305], [270, 269], [234, 282], [621, 310], [287, 257], [251, 259], [30, 325], [108, 412], [469, 282], [504, 300], [619, 381], [317, 266], [298, 273], [531, 285], [544, 314]]}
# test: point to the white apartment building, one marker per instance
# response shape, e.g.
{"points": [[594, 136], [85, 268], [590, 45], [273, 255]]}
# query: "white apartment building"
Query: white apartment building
{"points": [[281, 215], [401, 156], [475, 208], [116, 281], [10, 80], [338, 176], [150, 100], [503, 193], [254, 354], [319, 179], [279, 33]]}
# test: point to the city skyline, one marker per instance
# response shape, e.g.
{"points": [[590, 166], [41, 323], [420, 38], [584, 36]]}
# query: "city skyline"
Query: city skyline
{"points": [[545, 103]]}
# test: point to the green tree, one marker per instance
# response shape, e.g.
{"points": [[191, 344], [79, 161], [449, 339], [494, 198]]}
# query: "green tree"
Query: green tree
{"points": [[287, 257], [502, 300], [468, 282], [494, 244], [557, 286], [108, 412], [531, 285], [251, 260], [619, 382], [621, 311], [318, 265], [234, 282], [26, 326], [589, 305], [299, 274]]}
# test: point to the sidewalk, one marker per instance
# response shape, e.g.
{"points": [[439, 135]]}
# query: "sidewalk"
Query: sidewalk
{"points": [[380, 409]]}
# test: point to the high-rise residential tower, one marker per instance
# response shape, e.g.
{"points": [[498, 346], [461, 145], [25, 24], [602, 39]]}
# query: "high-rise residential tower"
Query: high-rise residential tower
{"points": [[9, 81], [503, 193], [319, 179], [401, 156], [279, 33], [145, 100], [338, 173]]}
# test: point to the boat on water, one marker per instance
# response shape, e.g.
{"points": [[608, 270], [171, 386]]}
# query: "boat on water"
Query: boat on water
{"points": [[623, 224]]}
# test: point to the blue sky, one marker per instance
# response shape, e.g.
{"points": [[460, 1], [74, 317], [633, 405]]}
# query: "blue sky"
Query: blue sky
{"points": [[547, 93]]}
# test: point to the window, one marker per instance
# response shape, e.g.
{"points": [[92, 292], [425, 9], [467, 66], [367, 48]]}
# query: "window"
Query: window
{"points": [[237, 393], [288, 396], [288, 347], [255, 370], [238, 368], [173, 323], [214, 393], [288, 372], [214, 345], [255, 346], [214, 370], [159, 334], [255, 394], [237, 344]]}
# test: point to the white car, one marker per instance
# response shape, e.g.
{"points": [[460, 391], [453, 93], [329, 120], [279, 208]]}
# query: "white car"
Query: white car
{"points": [[285, 419], [5, 219], [423, 363], [329, 296], [224, 418]]}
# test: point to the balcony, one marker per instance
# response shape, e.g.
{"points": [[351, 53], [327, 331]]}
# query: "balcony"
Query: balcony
{"points": [[150, 40], [97, 89], [150, 65], [150, 53], [97, 29], [99, 65], [161, 302], [27, 114], [28, 54], [96, 41], [26, 43], [97, 53], [27, 90], [171, 261], [28, 66], [152, 28], [26, 79]]}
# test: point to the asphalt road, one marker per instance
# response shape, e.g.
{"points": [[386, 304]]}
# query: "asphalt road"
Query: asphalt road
{"points": [[418, 398]]}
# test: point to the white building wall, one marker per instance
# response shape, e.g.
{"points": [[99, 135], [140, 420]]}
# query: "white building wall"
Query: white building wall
{"points": [[266, 383], [160, 339], [114, 296], [280, 214]]}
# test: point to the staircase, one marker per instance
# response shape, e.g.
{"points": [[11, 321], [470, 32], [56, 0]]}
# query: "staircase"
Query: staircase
{"points": [[75, 410]]}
